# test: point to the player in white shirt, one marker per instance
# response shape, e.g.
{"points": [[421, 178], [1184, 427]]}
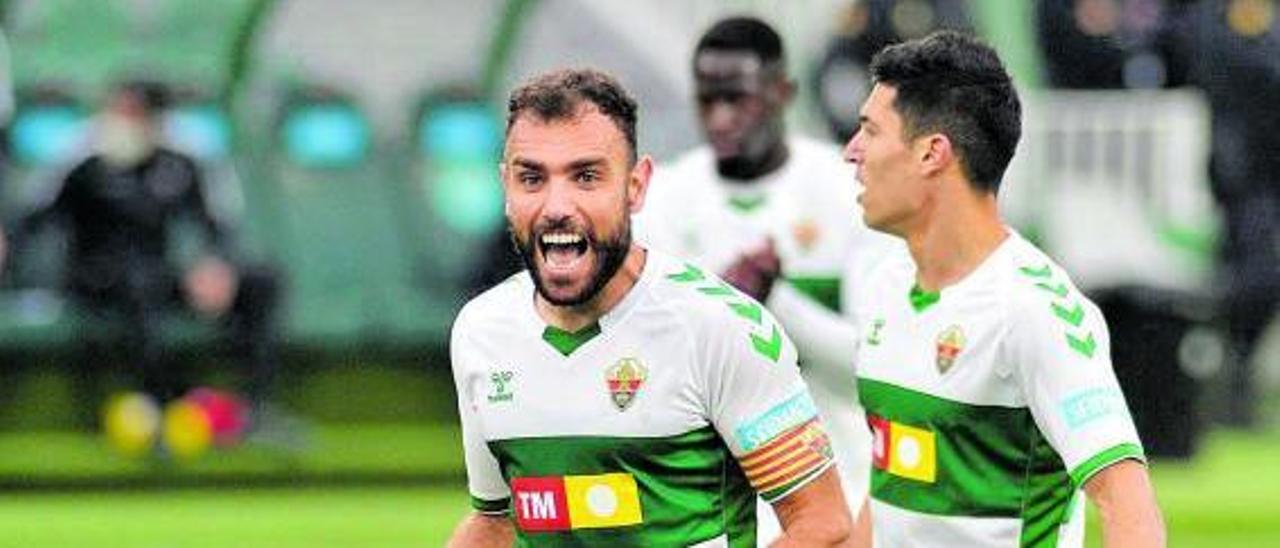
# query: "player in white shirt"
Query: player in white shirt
{"points": [[611, 395], [757, 205], [985, 374]]}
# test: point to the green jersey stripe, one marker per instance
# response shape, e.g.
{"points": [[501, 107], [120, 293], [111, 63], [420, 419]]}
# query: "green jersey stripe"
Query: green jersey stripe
{"points": [[991, 461], [709, 496], [825, 290], [1103, 459]]}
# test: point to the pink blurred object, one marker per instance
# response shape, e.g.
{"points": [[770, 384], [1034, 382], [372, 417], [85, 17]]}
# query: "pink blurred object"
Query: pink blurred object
{"points": [[227, 413]]}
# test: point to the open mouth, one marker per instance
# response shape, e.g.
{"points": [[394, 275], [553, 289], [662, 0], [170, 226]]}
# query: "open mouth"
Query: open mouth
{"points": [[562, 250]]}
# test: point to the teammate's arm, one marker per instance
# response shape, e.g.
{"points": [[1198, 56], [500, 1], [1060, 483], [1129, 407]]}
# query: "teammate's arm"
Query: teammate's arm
{"points": [[483, 530], [828, 339], [807, 518], [1127, 505]]}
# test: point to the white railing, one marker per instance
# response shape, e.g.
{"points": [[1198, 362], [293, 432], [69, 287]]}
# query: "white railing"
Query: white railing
{"points": [[1116, 185]]}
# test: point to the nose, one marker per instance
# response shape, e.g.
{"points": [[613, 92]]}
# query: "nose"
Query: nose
{"points": [[559, 202], [853, 149], [719, 116]]}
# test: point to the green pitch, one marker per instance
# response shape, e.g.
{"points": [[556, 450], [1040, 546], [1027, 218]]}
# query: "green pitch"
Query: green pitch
{"points": [[1227, 498]]}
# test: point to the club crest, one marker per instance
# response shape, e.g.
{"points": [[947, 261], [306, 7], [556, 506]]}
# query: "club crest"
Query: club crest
{"points": [[806, 234], [950, 343], [624, 379]]}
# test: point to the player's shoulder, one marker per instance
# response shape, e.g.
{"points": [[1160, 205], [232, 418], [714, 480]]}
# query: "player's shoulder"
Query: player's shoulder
{"points": [[718, 318], [695, 166], [495, 305], [701, 300], [1040, 295], [1030, 276], [676, 179]]}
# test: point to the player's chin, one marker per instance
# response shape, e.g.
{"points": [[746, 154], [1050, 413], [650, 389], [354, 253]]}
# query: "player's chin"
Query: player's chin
{"points": [[564, 281]]}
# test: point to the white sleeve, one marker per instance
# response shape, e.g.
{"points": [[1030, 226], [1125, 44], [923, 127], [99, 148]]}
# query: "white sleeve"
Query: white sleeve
{"points": [[760, 406], [489, 492], [1061, 354]]}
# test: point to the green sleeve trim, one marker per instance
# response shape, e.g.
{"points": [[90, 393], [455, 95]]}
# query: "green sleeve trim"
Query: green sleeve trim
{"points": [[1104, 459], [825, 290], [500, 506]]}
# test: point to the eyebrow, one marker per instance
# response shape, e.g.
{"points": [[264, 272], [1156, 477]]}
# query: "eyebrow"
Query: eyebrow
{"points": [[528, 164], [595, 161], [586, 162]]}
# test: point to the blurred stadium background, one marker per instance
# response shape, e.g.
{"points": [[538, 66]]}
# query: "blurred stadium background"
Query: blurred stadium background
{"points": [[354, 143]]}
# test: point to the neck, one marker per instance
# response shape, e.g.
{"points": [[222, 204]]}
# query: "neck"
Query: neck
{"points": [[748, 170], [960, 229], [577, 317]]}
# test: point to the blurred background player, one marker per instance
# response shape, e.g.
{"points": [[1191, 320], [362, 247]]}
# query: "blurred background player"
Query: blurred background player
{"points": [[760, 206], [985, 374], [120, 207]]}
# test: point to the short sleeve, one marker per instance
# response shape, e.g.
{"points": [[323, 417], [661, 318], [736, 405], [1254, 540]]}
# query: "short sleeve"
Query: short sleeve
{"points": [[489, 492], [1061, 353], [757, 401]]}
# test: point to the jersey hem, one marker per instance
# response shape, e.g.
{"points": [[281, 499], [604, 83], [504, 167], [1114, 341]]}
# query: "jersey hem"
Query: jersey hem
{"points": [[1103, 459]]}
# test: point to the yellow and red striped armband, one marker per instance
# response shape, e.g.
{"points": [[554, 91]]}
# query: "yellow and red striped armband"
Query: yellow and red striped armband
{"points": [[787, 460]]}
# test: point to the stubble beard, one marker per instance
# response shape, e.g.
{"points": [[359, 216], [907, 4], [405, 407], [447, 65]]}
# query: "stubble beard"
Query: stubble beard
{"points": [[609, 256]]}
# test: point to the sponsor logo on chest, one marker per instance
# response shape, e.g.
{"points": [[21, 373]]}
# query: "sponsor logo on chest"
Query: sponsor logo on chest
{"points": [[563, 503], [902, 450]]}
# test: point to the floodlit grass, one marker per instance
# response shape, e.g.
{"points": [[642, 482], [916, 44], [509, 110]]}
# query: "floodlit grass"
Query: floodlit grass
{"points": [[331, 449], [1226, 498], [386, 517]]}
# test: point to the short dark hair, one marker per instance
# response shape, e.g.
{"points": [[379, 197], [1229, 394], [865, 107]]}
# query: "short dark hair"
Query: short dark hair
{"points": [[742, 34], [557, 95], [952, 83]]}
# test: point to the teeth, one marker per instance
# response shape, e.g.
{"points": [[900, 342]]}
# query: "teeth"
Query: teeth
{"points": [[561, 239]]}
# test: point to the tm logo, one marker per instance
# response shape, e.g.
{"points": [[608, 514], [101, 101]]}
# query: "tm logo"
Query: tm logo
{"points": [[501, 386]]}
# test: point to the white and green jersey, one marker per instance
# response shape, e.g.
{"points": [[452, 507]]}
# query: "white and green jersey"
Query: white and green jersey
{"points": [[991, 402], [809, 208], [657, 426]]}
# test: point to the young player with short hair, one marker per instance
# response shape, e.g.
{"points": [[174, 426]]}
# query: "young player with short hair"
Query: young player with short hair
{"points": [[985, 374]]}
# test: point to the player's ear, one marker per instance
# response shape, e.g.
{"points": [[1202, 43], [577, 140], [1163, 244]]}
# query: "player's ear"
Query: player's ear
{"points": [[935, 153], [782, 91], [638, 183]]}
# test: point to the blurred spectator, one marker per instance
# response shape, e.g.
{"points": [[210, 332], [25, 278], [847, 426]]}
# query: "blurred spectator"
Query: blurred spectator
{"points": [[120, 207], [1102, 44], [867, 26], [1110, 45], [1231, 49]]}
